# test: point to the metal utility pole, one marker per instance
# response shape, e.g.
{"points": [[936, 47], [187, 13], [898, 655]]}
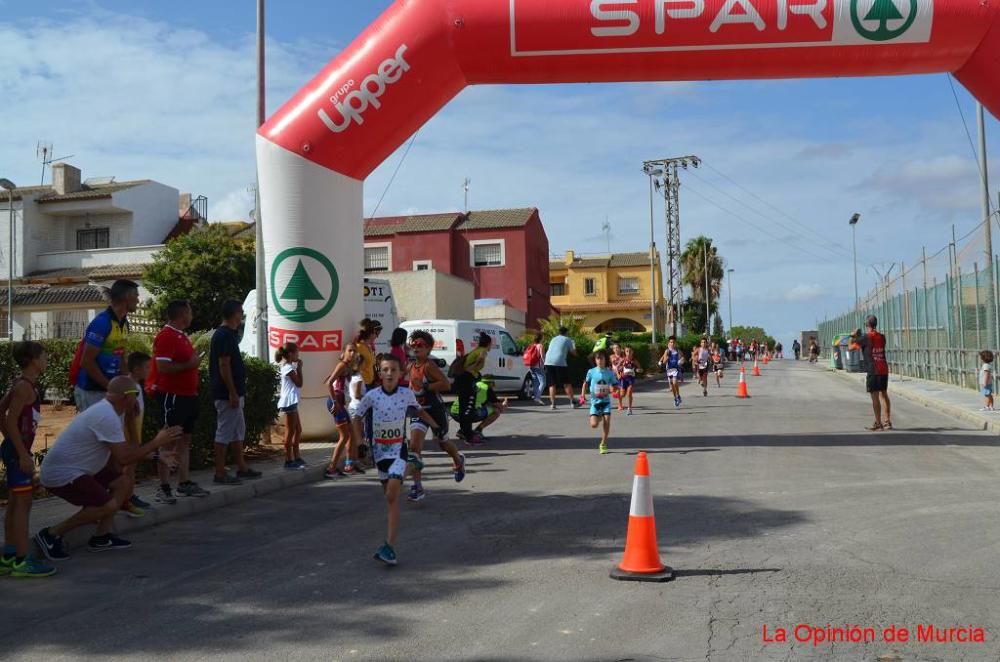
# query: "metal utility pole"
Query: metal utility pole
{"points": [[670, 182], [652, 173], [730, 288], [10, 186], [987, 225], [262, 343], [854, 243], [708, 297]]}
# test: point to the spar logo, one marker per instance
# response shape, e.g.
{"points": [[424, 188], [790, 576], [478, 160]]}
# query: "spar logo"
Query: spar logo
{"points": [[883, 20], [304, 285], [351, 104]]}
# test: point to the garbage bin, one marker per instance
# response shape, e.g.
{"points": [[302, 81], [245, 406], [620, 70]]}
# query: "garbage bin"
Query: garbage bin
{"points": [[852, 354], [836, 354]]}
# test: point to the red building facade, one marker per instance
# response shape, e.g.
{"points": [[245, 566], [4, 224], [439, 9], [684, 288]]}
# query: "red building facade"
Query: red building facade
{"points": [[503, 252]]}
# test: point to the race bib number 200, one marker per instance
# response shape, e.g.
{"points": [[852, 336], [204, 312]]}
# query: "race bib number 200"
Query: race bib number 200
{"points": [[388, 433]]}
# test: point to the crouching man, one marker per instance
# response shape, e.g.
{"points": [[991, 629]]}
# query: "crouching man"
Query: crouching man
{"points": [[84, 467]]}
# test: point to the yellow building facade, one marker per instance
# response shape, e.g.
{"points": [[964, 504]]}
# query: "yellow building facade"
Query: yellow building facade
{"points": [[608, 292]]}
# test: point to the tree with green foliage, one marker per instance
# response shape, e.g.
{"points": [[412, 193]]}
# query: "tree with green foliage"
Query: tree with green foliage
{"points": [[206, 267], [549, 327], [748, 333]]}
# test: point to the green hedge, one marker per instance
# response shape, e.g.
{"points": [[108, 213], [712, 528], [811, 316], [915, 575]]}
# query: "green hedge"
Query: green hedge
{"points": [[261, 400]]}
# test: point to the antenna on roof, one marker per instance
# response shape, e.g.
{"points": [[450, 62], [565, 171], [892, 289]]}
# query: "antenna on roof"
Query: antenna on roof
{"points": [[466, 187], [606, 229], [43, 151]]}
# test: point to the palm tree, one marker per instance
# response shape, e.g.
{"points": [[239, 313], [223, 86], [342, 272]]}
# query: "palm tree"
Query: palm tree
{"points": [[693, 262]]}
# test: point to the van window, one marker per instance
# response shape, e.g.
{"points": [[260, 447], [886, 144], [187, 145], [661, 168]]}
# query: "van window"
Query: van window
{"points": [[507, 345]]}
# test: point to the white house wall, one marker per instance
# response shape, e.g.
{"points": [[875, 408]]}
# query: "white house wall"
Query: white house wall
{"points": [[154, 211]]}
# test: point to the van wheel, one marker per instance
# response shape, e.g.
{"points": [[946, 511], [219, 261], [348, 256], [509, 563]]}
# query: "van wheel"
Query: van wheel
{"points": [[527, 391]]}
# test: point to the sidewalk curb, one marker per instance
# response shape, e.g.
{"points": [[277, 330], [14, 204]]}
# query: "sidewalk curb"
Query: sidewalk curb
{"points": [[220, 497], [899, 388]]}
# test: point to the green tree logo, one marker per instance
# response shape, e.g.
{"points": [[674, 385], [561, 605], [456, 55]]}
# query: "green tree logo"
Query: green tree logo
{"points": [[875, 24], [301, 289]]}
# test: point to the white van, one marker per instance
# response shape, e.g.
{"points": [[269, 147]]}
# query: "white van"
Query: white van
{"points": [[379, 306], [504, 364]]}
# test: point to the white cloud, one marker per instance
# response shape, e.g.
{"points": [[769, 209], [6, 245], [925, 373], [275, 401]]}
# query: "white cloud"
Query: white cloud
{"points": [[805, 292]]}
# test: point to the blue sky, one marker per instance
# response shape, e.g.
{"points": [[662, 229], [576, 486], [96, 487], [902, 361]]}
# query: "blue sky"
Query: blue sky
{"points": [[166, 91]]}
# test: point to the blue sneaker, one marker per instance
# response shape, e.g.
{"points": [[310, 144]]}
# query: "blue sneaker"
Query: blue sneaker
{"points": [[139, 503], [30, 567], [460, 472], [52, 546], [386, 554], [302, 463], [416, 494]]}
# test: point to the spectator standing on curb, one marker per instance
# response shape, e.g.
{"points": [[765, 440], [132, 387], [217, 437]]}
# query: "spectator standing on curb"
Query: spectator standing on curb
{"points": [[290, 367], [102, 351], [986, 380], [877, 382], [534, 360], [21, 410], [557, 366], [228, 383], [796, 349], [77, 469], [174, 383]]}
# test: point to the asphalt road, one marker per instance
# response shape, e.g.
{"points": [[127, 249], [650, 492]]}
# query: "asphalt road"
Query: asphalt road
{"points": [[775, 511]]}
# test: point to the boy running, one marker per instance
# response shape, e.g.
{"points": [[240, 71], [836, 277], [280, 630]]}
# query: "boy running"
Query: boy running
{"points": [[427, 382], [673, 360], [718, 364], [391, 406], [626, 371], [598, 382], [700, 358], [21, 410]]}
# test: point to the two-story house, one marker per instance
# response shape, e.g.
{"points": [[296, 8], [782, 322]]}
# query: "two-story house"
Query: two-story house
{"points": [[502, 252], [608, 292], [73, 238]]}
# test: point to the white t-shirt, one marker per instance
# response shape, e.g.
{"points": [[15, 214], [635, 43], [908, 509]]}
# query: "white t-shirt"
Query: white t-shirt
{"points": [[289, 391], [357, 383], [986, 375], [389, 416], [82, 449]]}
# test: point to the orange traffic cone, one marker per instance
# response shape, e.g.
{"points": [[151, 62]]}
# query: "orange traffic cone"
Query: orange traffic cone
{"points": [[767, 359], [641, 562], [756, 370], [741, 390]]}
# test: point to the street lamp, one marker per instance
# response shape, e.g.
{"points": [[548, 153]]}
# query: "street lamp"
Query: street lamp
{"points": [[10, 186], [730, 288], [854, 244], [652, 173]]}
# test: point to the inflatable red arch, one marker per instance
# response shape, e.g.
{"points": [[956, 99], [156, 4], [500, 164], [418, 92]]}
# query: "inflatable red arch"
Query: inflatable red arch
{"points": [[315, 151]]}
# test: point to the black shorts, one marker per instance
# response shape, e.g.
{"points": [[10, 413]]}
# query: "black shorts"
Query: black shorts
{"points": [[877, 383], [179, 410], [555, 375]]}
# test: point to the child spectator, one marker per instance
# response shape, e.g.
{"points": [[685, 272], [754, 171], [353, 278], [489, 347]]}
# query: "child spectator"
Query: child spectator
{"points": [[338, 385], [290, 367], [986, 378], [138, 365], [21, 410]]}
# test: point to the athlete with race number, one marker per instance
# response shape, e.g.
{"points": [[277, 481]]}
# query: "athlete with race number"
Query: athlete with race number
{"points": [[700, 358], [391, 406], [673, 359]]}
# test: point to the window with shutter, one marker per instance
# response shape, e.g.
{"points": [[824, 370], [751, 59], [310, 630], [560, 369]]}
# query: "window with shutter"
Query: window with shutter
{"points": [[376, 258], [487, 255]]}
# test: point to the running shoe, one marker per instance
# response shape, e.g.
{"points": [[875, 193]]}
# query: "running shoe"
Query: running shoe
{"points": [[629, 411], [249, 474], [225, 479], [333, 474], [52, 546], [294, 465], [301, 463], [6, 563], [132, 510], [139, 503], [349, 467], [677, 401], [539, 401], [603, 448], [165, 495], [482, 436], [704, 392], [386, 554], [33, 568], [552, 406], [192, 489], [460, 472], [416, 494], [107, 542]]}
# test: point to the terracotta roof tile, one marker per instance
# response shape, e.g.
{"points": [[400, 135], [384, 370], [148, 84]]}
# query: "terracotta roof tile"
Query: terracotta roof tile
{"points": [[44, 295], [92, 192], [496, 219], [390, 225], [615, 260]]}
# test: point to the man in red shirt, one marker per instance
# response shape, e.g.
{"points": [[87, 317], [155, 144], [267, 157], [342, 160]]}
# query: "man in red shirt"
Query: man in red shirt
{"points": [[877, 383], [174, 380]]}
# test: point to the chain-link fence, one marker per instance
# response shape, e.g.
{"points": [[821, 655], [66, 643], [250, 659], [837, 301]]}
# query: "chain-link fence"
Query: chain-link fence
{"points": [[937, 316]]}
